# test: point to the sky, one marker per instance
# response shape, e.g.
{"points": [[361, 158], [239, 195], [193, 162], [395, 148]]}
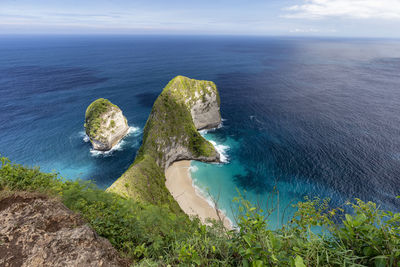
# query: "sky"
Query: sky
{"points": [[343, 18]]}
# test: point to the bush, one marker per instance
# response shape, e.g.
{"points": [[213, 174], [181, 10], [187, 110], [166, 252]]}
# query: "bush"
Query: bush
{"points": [[152, 235]]}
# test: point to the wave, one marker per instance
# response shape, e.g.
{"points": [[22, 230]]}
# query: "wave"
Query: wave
{"points": [[135, 131], [205, 131], [84, 136], [108, 153], [193, 169], [222, 150]]}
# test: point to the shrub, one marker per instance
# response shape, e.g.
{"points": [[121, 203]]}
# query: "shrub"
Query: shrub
{"points": [[152, 235]]}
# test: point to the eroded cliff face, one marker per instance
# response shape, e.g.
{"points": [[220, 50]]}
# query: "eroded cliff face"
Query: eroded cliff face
{"points": [[171, 134], [205, 111], [105, 124], [38, 231], [201, 97]]}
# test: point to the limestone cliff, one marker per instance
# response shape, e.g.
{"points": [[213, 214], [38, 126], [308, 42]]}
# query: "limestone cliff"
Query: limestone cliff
{"points": [[105, 124], [202, 98], [184, 106]]}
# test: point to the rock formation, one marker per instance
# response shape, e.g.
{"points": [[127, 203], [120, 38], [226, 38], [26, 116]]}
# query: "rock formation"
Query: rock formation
{"points": [[105, 124], [171, 134], [202, 99], [38, 231]]}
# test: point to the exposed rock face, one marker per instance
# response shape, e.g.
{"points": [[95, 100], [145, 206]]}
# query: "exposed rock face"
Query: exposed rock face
{"points": [[171, 134], [201, 97], [38, 231], [105, 124], [205, 110]]}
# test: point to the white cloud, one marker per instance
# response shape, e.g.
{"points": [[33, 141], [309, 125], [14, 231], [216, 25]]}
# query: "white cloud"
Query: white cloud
{"points": [[311, 31], [358, 9], [301, 30]]}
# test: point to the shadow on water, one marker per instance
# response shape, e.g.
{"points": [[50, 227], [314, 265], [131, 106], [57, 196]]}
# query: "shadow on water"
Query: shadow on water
{"points": [[147, 99]]}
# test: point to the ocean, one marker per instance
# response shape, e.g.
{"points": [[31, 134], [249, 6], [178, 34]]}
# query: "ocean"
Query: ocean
{"points": [[302, 116]]}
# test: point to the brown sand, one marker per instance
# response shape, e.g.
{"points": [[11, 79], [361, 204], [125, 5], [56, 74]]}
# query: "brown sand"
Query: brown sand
{"points": [[179, 184]]}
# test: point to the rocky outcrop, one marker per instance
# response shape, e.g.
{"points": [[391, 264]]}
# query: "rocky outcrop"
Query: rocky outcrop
{"points": [[105, 124], [205, 109], [201, 98], [171, 134], [38, 231]]}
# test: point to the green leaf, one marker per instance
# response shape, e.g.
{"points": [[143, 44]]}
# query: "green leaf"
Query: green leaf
{"points": [[361, 217], [380, 261], [258, 263], [368, 251], [197, 260], [298, 262], [249, 252], [247, 239]]}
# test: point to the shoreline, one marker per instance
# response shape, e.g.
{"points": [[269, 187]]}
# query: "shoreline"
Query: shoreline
{"points": [[179, 183]]}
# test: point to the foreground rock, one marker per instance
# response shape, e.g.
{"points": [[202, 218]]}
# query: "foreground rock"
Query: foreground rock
{"points": [[38, 231], [171, 134], [105, 124]]}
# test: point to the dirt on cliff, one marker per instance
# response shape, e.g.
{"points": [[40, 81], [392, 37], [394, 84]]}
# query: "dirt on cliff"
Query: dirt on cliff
{"points": [[36, 230]]}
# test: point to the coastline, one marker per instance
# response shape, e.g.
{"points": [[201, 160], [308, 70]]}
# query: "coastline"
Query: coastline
{"points": [[179, 184]]}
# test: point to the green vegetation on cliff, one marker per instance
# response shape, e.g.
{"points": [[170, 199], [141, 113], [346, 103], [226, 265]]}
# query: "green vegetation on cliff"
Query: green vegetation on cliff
{"points": [[169, 135], [93, 114], [190, 90], [151, 235]]}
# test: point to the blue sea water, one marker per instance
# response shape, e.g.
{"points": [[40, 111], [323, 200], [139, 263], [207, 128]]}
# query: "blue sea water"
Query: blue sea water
{"points": [[305, 117]]}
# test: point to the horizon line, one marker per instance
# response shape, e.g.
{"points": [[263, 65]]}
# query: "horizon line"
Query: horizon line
{"points": [[198, 35]]}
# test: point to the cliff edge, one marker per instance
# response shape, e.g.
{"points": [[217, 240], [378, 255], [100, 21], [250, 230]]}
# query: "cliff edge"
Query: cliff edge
{"points": [[39, 231], [105, 124], [171, 134]]}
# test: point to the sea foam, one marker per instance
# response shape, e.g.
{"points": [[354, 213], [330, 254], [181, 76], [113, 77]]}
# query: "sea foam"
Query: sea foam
{"points": [[84, 136], [222, 150], [117, 147], [135, 131], [205, 131], [193, 169]]}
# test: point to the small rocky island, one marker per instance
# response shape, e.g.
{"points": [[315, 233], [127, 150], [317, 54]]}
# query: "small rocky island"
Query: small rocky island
{"points": [[105, 124]]}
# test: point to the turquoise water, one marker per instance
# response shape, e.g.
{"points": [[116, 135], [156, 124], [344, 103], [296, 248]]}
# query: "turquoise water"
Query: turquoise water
{"points": [[215, 183], [303, 117]]}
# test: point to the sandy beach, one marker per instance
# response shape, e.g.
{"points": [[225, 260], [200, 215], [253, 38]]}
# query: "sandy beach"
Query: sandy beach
{"points": [[179, 184]]}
